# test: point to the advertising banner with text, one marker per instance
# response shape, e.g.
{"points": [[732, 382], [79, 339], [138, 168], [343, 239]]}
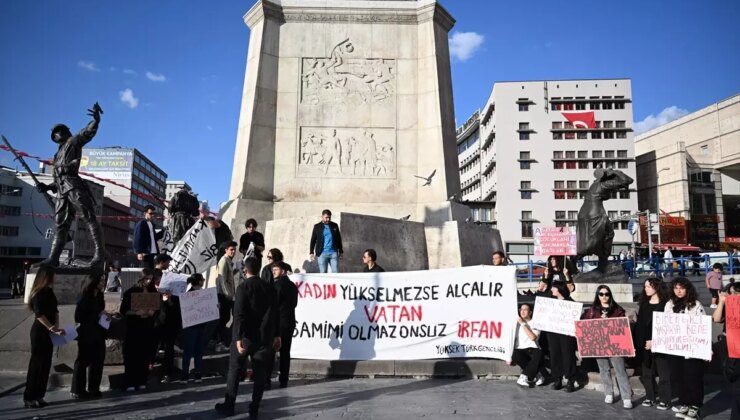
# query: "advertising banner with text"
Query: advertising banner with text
{"points": [[409, 315]]}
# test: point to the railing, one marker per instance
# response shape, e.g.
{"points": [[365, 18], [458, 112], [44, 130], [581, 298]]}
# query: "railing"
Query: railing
{"points": [[687, 266]]}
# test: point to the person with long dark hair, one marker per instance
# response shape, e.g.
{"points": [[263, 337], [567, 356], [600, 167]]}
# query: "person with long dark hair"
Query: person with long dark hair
{"points": [[604, 306], [686, 373], [43, 303], [653, 298], [168, 326], [139, 341], [562, 348], [719, 317], [556, 272], [194, 339], [90, 340]]}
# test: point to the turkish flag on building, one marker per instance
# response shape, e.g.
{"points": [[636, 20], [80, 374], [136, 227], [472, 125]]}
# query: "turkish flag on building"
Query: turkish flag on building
{"points": [[581, 119]]}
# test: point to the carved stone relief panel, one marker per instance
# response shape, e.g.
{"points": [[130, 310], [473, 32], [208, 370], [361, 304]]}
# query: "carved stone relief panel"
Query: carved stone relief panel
{"points": [[341, 152], [344, 79]]}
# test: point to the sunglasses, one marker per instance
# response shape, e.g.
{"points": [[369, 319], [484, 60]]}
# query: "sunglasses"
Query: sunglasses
{"points": [[607, 294]]}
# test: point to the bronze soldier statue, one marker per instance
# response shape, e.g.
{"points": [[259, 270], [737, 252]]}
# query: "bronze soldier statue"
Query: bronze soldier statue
{"points": [[72, 194], [594, 230], [184, 206]]}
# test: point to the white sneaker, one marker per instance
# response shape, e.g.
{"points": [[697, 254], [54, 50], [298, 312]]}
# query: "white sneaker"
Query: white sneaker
{"points": [[522, 381], [627, 403], [540, 380], [609, 399], [713, 306], [680, 409]]}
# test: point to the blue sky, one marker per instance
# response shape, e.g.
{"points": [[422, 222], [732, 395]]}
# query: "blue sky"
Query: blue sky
{"points": [[169, 73]]}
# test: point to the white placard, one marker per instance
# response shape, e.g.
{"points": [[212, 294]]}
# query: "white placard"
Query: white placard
{"points": [[174, 283], [198, 306], [556, 315], [407, 315], [104, 321], [196, 251], [68, 337], [682, 335]]}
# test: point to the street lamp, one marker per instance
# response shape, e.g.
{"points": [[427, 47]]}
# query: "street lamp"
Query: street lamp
{"points": [[657, 200]]}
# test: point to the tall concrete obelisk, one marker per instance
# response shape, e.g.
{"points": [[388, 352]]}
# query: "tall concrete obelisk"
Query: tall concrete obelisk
{"points": [[345, 105]]}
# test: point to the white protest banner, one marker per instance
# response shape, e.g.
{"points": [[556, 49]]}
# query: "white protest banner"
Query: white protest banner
{"points": [[168, 241], [174, 283], [198, 306], [196, 251], [409, 315], [555, 240], [682, 335], [556, 315]]}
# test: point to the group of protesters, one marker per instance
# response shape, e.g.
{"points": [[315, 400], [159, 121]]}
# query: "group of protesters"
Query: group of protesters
{"points": [[257, 319], [670, 382]]}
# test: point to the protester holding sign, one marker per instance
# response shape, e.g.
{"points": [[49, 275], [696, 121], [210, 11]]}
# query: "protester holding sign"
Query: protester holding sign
{"points": [[90, 340], [168, 324], [194, 339], [686, 373], [139, 341], [654, 296], [728, 314], [562, 348], [43, 303], [527, 352], [555, 272], [604, 306]]}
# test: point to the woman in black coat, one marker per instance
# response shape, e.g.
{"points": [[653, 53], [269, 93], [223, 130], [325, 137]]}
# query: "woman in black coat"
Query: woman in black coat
{"points": [[88, 368], [43, 303], [139, 341]]}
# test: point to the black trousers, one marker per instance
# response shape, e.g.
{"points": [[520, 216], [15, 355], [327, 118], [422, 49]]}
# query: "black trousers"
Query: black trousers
{"points": [[168, 342], [237, 364], [562, 356], [137, 350], [688, 374], [529, 360], [88, 369], [286, 338], [656, 364], [735, 414], [37, 378], [225, 306]]}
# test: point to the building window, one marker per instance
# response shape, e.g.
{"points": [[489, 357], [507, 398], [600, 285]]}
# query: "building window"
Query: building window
{"points": [[582, 135], [525, 190], [523, 107], [570, 136], [622, 164], [10, 190], [558, 165], [559, 214], [556, 125], [595, 105], [557, 136], [582, 165], [621, 135], [559, 185], [583, 185], [606, 105], [621, 124], [609, 154], [580, 106], [705, 150], [8, 230], [621, 153], [595, 135], [608, 134], [10, 210], [619, 105], [524, 136], [624, 194], [583, 154], [523, 126], [527, 231]]}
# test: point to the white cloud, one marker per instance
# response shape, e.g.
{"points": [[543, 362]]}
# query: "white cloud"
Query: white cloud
{"points": [[129, 71], [209, 128], [464, 44], [664, 117], [87, 65], [155, 77], [128, 98]]}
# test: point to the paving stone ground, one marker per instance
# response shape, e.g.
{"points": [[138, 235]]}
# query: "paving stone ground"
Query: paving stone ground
{"points": [[379, 398]]}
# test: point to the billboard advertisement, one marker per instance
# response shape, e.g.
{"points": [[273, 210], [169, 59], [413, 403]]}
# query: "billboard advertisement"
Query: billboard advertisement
{"points": [[108, 163]]}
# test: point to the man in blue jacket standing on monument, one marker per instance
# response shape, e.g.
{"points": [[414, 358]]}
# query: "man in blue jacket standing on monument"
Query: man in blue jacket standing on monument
{"points": [[326, 243], [145, 238]]}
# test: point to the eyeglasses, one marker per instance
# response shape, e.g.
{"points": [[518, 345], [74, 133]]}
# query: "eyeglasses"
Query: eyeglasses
{"points": [[607, 294]]}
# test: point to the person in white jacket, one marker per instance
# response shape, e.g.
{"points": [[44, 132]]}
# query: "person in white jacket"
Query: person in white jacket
{"points": [[687, 373]]}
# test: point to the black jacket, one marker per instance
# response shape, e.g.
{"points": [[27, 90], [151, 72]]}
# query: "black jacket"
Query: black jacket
{"points": [[317, 238], [255, 314], [287, 297], [168, 319], [266, 273], [87, 314]]}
